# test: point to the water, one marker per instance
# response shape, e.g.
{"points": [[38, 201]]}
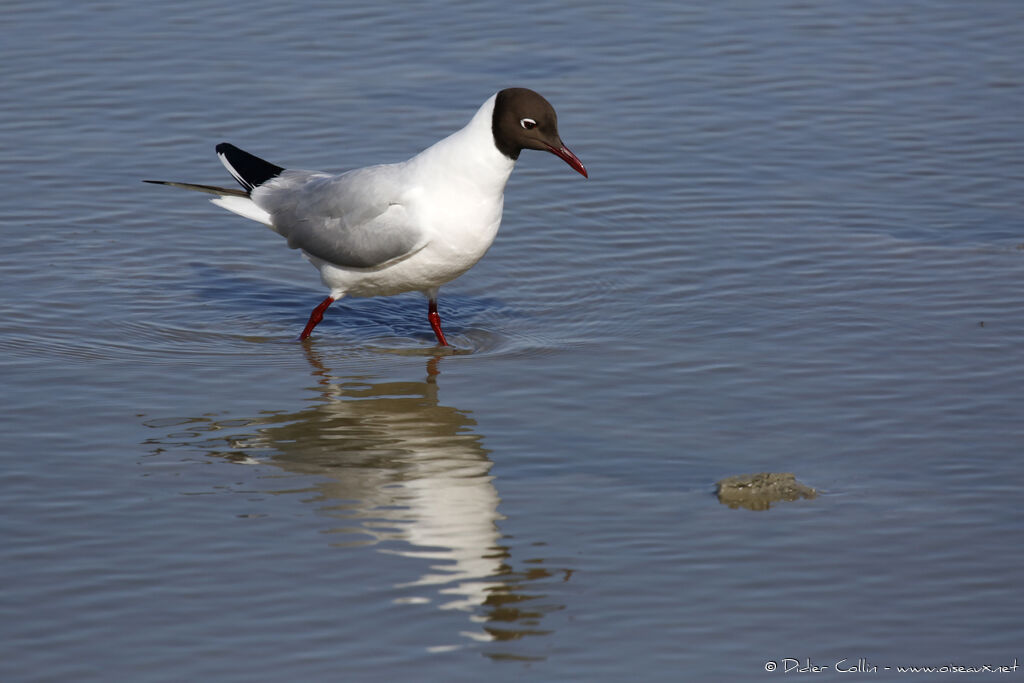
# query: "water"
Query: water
{"points": [[799, 250]]}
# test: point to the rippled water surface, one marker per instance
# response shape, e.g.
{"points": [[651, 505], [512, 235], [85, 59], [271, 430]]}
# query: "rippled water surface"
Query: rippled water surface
{"points": [[800, 249]]}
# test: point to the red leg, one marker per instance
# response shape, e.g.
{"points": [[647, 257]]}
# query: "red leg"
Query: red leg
{"points": [[316, 316], [435, 322]]}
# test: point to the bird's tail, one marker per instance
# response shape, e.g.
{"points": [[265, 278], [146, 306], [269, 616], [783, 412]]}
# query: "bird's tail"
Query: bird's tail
{"points": [[250, 172]]}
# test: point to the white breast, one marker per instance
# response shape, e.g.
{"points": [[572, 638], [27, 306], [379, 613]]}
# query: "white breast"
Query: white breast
{"points": [[455, 194]]}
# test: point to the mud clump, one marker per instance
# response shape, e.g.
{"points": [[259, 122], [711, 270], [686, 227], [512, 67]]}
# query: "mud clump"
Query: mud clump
{"points": [[759, 491]]}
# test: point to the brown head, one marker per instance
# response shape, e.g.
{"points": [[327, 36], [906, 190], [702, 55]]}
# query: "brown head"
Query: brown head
{"points": [[525, 120]]}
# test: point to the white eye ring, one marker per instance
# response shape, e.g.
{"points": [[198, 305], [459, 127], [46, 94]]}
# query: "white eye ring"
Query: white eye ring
{"points": [[527, 123]]}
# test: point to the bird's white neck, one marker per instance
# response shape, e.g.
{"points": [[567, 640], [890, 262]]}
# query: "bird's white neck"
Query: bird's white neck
{"points": [[471, 154]]}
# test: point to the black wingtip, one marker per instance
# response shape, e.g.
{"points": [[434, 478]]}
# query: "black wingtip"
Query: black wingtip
{"points": [[249, 170], [209, 189]]}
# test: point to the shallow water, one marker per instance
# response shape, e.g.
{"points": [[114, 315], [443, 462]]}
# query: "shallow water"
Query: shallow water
{"points": [[800, 250]]}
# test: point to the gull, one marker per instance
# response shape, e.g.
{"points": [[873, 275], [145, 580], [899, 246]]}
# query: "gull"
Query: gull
{"points": [[391, 228]]}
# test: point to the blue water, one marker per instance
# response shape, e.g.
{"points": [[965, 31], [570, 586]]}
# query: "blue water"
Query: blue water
{"points": [[800, 249]]}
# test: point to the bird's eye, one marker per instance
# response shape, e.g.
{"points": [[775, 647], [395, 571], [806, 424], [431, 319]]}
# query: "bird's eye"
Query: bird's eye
{"points": [[527, 123]]}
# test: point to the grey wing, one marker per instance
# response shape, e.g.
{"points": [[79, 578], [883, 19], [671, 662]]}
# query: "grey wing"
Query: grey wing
{"points": [[355, 220]]}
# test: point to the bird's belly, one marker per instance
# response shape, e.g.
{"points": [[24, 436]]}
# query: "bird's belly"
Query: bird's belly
{"points": [[445, 256]]}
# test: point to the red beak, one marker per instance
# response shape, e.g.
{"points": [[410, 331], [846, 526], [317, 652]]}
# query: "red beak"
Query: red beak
{"points": [[568, 157]]}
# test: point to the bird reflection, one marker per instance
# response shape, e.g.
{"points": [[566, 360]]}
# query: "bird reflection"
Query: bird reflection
{"points": [[408, 476], [409, 466]]}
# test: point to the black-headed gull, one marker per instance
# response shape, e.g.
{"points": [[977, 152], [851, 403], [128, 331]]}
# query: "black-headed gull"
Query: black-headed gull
{"points": [[409, 226]]}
